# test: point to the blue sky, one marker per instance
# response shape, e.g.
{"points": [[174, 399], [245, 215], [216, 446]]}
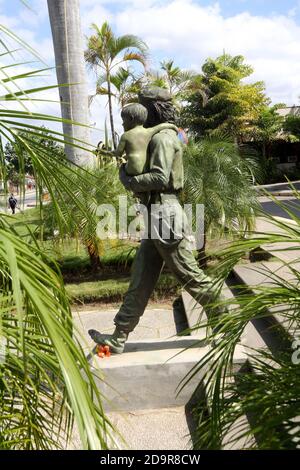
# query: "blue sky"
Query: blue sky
{"points": [[266, 8], [257, 7], [266, 32]]}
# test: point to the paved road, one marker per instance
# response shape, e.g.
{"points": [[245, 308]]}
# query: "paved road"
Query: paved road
{"points": [[269, 206], [280, 186], [30, 200], [266, 203]]}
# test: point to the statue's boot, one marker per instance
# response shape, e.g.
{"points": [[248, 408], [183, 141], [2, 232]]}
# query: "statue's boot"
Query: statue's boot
{"points": [[116, 341]]}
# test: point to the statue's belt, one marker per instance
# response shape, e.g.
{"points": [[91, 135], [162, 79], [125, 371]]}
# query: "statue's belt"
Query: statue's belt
{"points": [[161, 196]]}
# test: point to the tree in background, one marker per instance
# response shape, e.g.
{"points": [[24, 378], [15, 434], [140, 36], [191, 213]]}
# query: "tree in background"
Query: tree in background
{"points": [[219, 178], [171, 77], [68, 48], [124, 86], [45, 379], [220, 100], [17, 157], [80, 218], [268, 127], [105, 52], [291, 126]]}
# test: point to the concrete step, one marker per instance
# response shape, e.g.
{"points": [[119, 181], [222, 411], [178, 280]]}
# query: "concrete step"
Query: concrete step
{"points": [[140, 387], [250, 338], [195, 313], [153, 429], [288, 252], [156, 323], [257, 275], [195, 316], [197, 320], [154, 362], [149, 377], [256, 334], [149, 372]]}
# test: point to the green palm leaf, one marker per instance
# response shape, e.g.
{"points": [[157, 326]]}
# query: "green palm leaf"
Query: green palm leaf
{"points": [[45, 380], [267, 390]]}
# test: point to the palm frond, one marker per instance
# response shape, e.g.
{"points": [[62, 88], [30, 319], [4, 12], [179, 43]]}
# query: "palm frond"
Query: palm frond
{"points": [[129, 41], [45, 379], [267, 390], [43, 364]]}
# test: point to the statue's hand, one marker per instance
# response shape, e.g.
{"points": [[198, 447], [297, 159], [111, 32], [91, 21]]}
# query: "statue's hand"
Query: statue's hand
{"points": [[124, 178]]}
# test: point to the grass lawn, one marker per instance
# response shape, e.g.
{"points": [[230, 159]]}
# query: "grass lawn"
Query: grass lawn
{"points": [[26, 221], [113, 290], [83, 285], [110, 283]]}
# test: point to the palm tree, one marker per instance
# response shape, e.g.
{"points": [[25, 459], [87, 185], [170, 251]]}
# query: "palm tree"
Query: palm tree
{"points": [[68, 48], [45, 379], [268, 128], [104, 188], [178, 80], [125, 87], [105, 52], [173, 78], [220, 179], [267, 389]]}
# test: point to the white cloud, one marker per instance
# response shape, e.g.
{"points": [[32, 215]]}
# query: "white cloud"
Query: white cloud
{"points": [[93, 14], [189, 33], [183, 30]]}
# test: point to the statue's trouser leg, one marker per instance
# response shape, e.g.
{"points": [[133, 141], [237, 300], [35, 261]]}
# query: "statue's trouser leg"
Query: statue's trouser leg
{"points": [[181, 261], [147, 267]]}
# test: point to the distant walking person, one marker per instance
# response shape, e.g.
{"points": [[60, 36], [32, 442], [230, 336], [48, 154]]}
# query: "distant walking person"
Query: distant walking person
{"points": [[12, 201]]}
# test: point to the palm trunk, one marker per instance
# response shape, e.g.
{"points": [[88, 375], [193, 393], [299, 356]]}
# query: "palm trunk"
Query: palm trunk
{"points": [[94, 258], [70, 68], [111, 113]]}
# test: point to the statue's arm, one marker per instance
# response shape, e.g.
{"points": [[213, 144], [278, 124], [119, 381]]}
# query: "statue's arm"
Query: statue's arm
{"points": [[162, 127], [121, 147], [161, 160]]}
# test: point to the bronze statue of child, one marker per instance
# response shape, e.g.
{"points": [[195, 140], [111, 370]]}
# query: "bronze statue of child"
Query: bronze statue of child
{"points": [[135, 140]]}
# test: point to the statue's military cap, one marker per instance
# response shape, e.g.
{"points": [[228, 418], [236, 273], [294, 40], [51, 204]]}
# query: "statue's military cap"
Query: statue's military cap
{"points": [[154, 93]]}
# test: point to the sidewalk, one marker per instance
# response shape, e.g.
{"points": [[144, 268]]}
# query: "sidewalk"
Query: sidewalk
{"points": [[288, 252]]}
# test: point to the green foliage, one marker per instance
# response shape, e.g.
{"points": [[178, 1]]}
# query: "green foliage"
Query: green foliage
{"points": [[18, 160], [267, 389], [267, 128], [45, 379], [291, 125], [73, 259], [104, 47], [42, 385], [172, 78], [105, 54], [125, 86], [219, 99], [80, 219], [269, 124], [217, 176], [17, 156], [113, 290]]}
